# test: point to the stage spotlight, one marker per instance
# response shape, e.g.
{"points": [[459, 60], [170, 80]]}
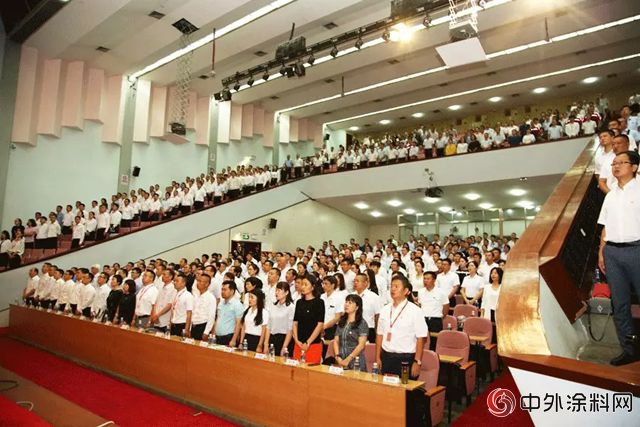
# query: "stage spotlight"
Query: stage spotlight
{"points": [[283, 70], [289, 71], [334, 51], [217, 96], [359, 43], [386, 35], [427, 21], [265, 76], [311, 59], [250, 81], [236, 86], [299, 69], [226, 94]]}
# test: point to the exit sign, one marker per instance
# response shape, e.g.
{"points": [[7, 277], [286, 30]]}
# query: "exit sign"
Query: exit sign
{"points": [[245, 236]]}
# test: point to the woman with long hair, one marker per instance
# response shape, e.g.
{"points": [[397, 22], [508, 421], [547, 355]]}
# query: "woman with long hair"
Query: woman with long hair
{"points": [[280, 328], [351, 335], [254, 321], [127, 305], [490, 294], [308, 322]]}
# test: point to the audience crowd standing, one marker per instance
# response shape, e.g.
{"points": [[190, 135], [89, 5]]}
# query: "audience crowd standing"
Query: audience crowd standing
{"points": [[106, 217], [293, 304]]}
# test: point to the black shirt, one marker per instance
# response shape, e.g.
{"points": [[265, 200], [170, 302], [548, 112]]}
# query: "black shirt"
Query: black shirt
{"points": [[127, 307], [113, 300], [308, 314]]}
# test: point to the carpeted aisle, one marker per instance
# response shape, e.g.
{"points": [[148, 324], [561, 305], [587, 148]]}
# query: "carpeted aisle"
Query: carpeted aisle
{"points": [[14, 415], [477, 414], [112, 399]]}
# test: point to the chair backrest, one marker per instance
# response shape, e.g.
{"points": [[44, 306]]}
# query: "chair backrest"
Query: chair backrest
{"points": [[459, 299], [429, 369], [453, 343], [449, 320], [370, 355], [479, 326], [465, 310]]}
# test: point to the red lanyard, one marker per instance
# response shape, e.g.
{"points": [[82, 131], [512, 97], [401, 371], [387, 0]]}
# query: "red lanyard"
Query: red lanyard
{"points": [[175, 301], [391, 323], [145, 289]]}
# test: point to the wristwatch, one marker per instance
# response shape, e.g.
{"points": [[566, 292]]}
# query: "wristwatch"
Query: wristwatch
{"points": [[419, 362]]}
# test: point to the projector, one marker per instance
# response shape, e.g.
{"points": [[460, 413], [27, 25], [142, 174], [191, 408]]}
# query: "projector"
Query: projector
{"points": [[463, 30], [178, 128]]}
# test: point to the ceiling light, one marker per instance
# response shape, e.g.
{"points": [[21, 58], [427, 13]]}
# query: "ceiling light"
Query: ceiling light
{"points": [[455, 107], [359, 43], [375, 214], [384, 122], [419, 214], [354, 128], [445, 209], [311, 59], [236, 86], [537, 208], [540, 90], [334, 51], [485, 206], [422, 223], [495, 99], [417, 115], [517, 192], [283, 70], [394, 203], [525, 204], [299, 69], [472, 196], [409, 211], [590, 80], [509, 211], [458, 213], [250, 81], [431, 200], [247, 19], [427, 21], [361, 205], [265, 76]]}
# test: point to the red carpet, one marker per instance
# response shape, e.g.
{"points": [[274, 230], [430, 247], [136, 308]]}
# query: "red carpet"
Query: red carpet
{"points": [[107, 397], [14, 415], [478, 413]]}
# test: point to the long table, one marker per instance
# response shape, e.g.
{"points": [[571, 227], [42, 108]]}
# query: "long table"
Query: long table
{"points": [[238, 385]]}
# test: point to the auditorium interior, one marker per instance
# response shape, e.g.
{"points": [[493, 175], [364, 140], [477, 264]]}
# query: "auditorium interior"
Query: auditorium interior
{"points": [[392, 138]]}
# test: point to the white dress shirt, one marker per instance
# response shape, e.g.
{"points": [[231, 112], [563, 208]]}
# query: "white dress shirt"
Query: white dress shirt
{"points": [[620, 213], [87, 295], [145, 299], [408, 326], [182, 304], [371, 306], [204, 311], [103, 220], [472, 285], [53, 229], [333, 305], [100, 301], [447, 281], [281, 318], [348, 279], [489, 300], [250, 327], [431, 301]]}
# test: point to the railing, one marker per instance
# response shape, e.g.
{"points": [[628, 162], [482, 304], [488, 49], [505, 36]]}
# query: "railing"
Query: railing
{"points": [[559, 248], [63, 250]]}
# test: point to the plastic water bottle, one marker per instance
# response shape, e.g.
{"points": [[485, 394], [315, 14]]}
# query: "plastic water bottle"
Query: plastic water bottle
{"points": [[375, 371], [167, 335], [245, 346], [596, 276], [449, 326], [212, 340], [272, 352], [302, 357], [356, 364], [286, 353]]}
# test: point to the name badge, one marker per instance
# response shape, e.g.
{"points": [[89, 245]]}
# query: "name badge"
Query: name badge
{"points": [[391, 379], [158, 335], [228, 349], [260, 356], [82, 318], [190, 341], [292, 362], [125, 327], [336, 370], [204, 344], [96, 320]]}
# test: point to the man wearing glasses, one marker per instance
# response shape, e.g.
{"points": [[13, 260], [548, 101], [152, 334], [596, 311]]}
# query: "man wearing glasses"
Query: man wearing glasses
{"points": [[619, 256]]}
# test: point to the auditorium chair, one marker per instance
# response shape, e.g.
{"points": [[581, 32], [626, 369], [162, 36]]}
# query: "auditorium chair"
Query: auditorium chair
{"points": [[488, 360], [466, 310], [463, 373], [434, 393], [449, 320]]}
